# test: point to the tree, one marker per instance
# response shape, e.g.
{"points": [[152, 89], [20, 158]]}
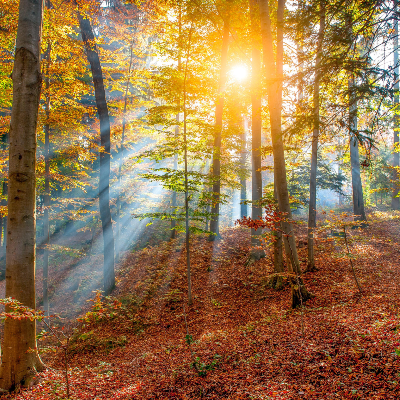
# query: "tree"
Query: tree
{"points": [[274, 76], [256, 208], [312, 212], [395, 195], [105, 155], [20, 359], [219, 107]]}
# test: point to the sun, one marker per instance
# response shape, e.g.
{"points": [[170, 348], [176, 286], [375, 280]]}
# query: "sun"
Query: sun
{"points": [[239, 72]]}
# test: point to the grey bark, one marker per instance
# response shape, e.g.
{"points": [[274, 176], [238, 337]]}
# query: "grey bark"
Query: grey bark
{"points": [[216, 170], [121, 157], [46, 224], [243, 191], [274, 74], [395, 177], [256, 129], [20, 359], [358, 199], [105, 161], [312, 212]]}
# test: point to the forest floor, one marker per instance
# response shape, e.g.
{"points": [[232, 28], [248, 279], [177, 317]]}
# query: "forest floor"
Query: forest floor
{"points": [[240, 339]]}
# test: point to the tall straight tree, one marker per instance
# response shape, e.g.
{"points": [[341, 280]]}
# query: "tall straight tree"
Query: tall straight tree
{"points": [[312, 212], [20, 359], [104, 181], [395, 178], [219, 108], [256, 178], [274, 77], [358, 198]]}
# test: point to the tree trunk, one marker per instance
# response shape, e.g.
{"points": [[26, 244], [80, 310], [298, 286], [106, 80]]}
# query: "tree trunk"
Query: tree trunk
{"points": [[312, 209], [274, 74], [20, 359], [358, 200], [173, 200], [277, 281], [395, 178], [121, 157], [46, 225], [185, 156], [256, 130], [243, 191], [219, 108], [104, 181]]}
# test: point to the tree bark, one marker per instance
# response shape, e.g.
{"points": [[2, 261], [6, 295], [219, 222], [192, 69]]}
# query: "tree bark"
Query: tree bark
{"points": [[219, 108], [274, 74], [104, 181], [312, 208], [256, 130], [358, 200], [243, 191], [395, 178], [121, 158], [46, 225], [20, 359]]}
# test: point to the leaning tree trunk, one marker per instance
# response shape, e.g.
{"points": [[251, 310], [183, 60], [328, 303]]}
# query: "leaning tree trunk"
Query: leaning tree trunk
{"points": [[274, 74], [256, 130], [358, 200], [20, 359], [104, 181], [312, 208], [219, 108], [396, 175]]}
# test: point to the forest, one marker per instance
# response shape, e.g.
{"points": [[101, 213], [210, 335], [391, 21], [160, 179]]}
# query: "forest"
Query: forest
{"points": [[199, 199]]}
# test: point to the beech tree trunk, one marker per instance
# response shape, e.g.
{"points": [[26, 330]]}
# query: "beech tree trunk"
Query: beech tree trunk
{"points": [[312, 212], [121, 157], [274, 75], [358, 200], [104, 181], [173, 200], [46, 225], [395, 178], [20, 359], [219, 108], [243, 191], [256, 129]]}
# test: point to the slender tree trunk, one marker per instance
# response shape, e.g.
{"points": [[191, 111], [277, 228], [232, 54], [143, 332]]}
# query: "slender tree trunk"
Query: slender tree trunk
{"points": [[46, 225], [256, 129], [396, 175], [4, 219], [358, 200], [219, 108], [20, 359], [121, 157], [173, 200], [243, 191], [312, 212], [105, 161], [277, 281], [340, 164], [274, 74], [185, 156], [174, 203]]}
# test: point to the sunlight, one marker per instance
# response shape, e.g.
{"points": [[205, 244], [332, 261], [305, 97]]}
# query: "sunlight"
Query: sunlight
{"points": [[239, 72]]}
